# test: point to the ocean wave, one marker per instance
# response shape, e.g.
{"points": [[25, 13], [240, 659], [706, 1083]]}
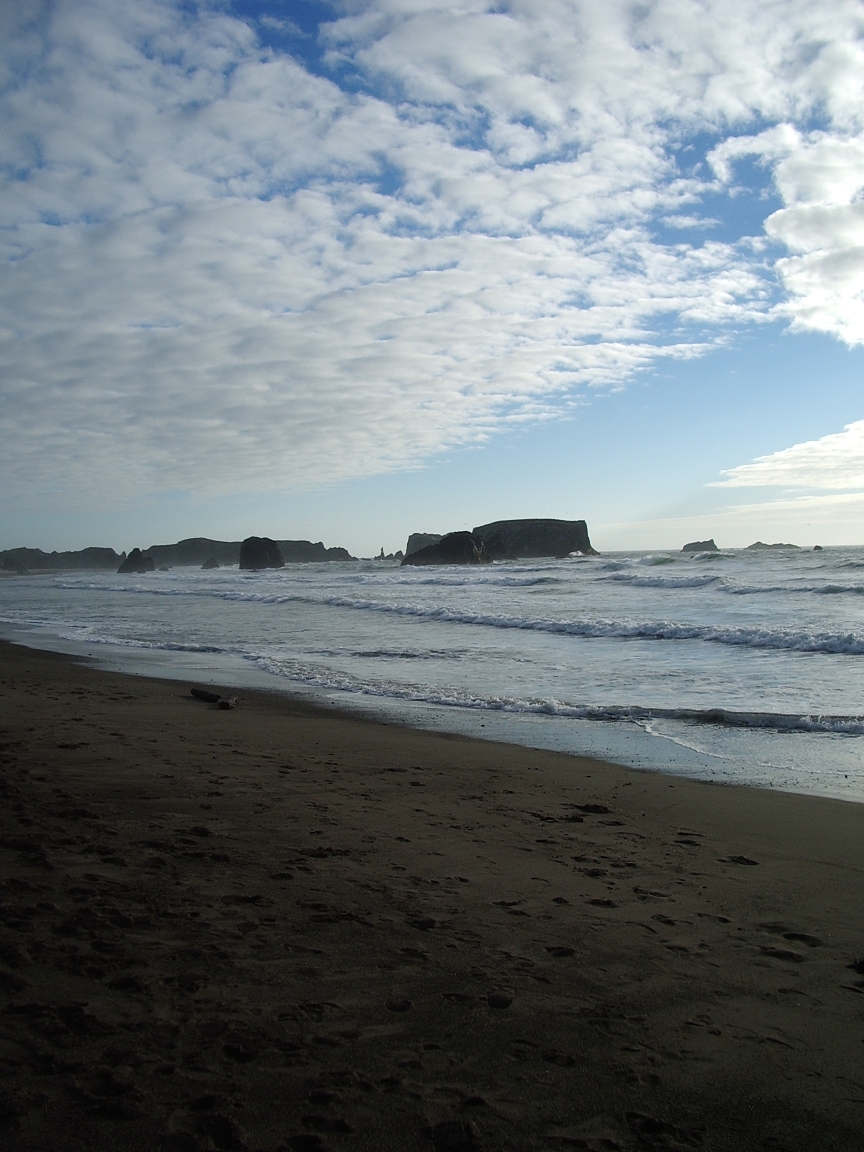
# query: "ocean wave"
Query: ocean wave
{"points": [[333, 680], [841, 644], [84, 635], [836, 643], [636, 580], [725, 584]]}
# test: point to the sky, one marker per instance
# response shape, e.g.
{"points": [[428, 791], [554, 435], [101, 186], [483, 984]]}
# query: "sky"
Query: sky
{"points": [[346, 270]]}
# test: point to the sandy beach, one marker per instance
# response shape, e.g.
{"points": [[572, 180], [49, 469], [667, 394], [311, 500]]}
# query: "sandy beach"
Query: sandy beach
{"points": [[282, 927]]}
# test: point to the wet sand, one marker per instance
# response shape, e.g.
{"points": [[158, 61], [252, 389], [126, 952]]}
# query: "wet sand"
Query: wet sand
{"points": [[282, 927]]}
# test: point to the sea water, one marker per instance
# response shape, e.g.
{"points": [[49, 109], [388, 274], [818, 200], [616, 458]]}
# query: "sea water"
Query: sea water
{"points": [[740, 667]]}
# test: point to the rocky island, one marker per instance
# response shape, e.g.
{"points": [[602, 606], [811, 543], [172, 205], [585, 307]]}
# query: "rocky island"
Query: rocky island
{"points": [[701, 546], [759, 546], [532, 538], [501, 540]]}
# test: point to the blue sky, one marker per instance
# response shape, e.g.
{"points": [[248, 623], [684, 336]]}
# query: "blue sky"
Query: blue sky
{"points": [[349, 270]]}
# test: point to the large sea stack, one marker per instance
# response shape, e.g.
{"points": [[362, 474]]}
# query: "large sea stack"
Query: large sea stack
{"points": [[523, 539], [137, 562], [454, 548], [257, 552]]}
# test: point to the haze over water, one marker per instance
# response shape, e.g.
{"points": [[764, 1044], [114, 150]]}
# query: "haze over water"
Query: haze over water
{"points": [[741, 667]]}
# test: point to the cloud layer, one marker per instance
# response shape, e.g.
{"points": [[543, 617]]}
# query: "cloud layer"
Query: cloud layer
{"points": [[833, 463], [223, 271]]}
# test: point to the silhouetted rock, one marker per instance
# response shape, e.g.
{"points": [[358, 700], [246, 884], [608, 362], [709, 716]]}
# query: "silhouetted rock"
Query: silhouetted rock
{"points": [[305, 552], [35, 560], [523, 539], [701, 546], [817, 547], [758, 546], [210, 562], [418, 540], [137, 562], [455, 548], [257, 552], [195, 552]]}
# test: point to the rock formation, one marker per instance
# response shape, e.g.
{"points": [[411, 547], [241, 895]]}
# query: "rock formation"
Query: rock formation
{"points": [[759, 546], [701, 546], [35, 560], [137, 562], [418, 540], [209, 563], [257, 552], [195, 551], [523, 539], [304, 552], [454, 548]]}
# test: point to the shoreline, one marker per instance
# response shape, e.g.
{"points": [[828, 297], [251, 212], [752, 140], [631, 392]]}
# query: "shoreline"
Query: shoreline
{"points": [[284, 927], [640, 746]]}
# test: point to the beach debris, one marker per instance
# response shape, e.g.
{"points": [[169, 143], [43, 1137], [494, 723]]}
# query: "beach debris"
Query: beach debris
{"points": [[399, 1004], [208, 697]]}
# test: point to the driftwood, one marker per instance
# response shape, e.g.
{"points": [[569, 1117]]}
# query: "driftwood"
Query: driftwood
{"points": [[207, 697]]}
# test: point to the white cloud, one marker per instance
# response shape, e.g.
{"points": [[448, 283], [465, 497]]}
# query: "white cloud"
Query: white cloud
{"points": [[820, 177], [223, 272], [834, 462]]}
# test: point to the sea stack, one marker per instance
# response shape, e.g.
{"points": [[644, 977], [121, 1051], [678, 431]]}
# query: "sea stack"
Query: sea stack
{"points": [[701, 546], [257, 552], [137, 562], [527, 539], [454, 548]]}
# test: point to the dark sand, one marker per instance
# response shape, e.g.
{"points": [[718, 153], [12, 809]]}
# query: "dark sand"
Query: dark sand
{"points": [[282, 927]]}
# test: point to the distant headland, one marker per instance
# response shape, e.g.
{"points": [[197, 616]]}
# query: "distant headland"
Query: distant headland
{"points": [[196, 552]]}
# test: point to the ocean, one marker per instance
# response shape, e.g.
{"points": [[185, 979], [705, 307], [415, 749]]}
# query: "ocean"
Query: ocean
{"points": [[741, 667]]}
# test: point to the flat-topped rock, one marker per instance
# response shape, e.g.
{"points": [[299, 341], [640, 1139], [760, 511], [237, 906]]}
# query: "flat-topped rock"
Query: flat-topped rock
{"points": [[758, 546], [454, 548], [523, 539], [418, 540], [701, 546]]}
